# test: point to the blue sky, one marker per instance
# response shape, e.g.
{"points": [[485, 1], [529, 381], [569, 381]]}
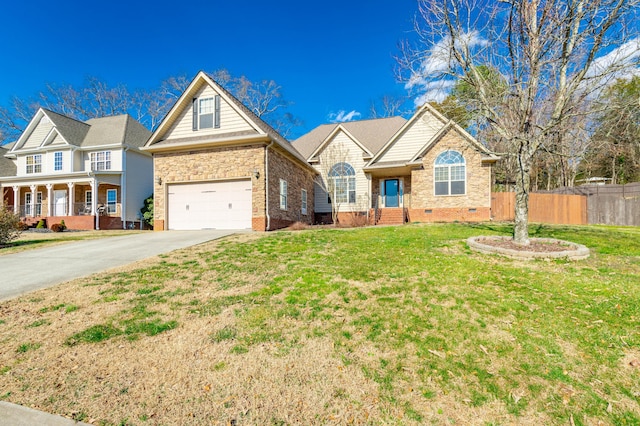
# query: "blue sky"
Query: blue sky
{"points": [[329, 56]]}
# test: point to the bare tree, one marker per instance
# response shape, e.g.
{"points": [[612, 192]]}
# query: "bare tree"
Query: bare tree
{"points": [[553, 54], [387, 106], [95, 98], [264, 98]]}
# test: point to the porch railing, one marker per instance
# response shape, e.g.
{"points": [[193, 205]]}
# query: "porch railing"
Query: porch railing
{"points": [[79, 209]]}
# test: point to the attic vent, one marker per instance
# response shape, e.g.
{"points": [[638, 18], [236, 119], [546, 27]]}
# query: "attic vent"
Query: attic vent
{"points": [[45, 120]]}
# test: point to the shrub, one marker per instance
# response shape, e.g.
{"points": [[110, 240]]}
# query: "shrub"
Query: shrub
{"points": [[22, 226], [57, 227], [41, 224], [298, 226], [147, 211], [10, 227], [62, 225]]}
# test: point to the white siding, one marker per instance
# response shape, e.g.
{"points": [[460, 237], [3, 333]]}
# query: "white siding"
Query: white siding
{"points": [[57, 140], [351, 153], [230, 120], [48, 160], [413, 139], [78, 161], [139, 183], [116, 159], [41, 131]]}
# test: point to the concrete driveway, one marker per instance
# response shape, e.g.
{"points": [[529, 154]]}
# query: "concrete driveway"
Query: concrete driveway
{"points": [[31, 270]]}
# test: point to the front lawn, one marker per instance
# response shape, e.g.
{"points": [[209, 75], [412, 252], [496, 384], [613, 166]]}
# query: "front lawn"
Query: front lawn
{"points": [[387, 325]]}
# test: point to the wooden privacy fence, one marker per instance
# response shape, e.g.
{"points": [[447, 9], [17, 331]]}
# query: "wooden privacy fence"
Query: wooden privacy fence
{"points": [[610, 204], [546, 208]]}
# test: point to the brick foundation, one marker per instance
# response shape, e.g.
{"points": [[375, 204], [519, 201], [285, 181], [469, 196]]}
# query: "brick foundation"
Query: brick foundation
{"points": [[465, 214], [80, 223]]}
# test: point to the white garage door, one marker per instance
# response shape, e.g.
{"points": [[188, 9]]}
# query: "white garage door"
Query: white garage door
{"points": [[210, 205]]}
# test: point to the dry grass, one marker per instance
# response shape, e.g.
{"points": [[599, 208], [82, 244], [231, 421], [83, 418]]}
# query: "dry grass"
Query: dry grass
{"points": [[287, 329]]}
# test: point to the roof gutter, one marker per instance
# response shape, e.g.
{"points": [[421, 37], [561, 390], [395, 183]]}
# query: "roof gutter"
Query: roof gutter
{"points": [[232, 140]]}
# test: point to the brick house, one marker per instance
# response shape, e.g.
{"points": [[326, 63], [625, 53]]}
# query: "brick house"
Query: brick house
{"points": [[91, 174], [394, 170], [218, 165]]}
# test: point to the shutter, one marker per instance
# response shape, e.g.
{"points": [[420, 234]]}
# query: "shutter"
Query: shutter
{"points": [[216, 120], [195, 114]]}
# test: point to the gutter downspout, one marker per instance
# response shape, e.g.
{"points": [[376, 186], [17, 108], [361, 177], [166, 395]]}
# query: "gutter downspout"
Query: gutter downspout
{"points": [[266, 182]]}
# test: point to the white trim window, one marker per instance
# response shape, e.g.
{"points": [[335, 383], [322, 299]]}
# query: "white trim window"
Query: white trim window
{"points": [[343, 176], [283, 194], [303, 204], [450, 174], [87, 200], [206, 113], [112, 200], [27, 204], [57, 161], [34, 163], [101, 160]]}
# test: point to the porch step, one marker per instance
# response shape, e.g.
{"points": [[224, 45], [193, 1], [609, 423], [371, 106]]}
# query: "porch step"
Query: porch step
{"points": [[390, 216]]}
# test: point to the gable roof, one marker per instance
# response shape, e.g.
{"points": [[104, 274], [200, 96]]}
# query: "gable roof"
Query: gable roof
{"points": [[259, 127], [447, 124], [73, 131], [451, 125], [114, 130], [371, 134]]}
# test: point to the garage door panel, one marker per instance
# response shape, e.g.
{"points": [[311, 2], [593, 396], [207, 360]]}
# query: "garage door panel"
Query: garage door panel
{"points": [[217, 205]]}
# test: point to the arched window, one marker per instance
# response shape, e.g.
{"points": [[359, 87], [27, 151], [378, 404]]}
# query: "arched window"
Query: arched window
{"points": [[343, 179], [450, 174]]}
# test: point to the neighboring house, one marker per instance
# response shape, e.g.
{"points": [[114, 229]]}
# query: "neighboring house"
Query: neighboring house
{"points": [[7, 168], [218, 165], [423, 169], [90, 174]]}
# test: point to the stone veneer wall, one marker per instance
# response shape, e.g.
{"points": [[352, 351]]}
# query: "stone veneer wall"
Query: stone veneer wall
{"points": [[298, 178], [208, 165], [475, 205]]}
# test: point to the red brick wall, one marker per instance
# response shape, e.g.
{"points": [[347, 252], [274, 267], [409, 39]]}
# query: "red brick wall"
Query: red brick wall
{"points": [[84, 223]]}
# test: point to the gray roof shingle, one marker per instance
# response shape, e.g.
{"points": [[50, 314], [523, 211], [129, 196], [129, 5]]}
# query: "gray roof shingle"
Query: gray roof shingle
{"points": [[372, 134], [7, 166], [118, 129], [73, 131]]}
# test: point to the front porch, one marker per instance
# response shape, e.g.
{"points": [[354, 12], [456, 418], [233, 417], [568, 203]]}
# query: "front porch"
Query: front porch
{"points": [[391, 199], [82, 205]]}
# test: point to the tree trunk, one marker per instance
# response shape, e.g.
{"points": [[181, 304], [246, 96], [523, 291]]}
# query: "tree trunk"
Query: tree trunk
{"points": [[523, 185]]}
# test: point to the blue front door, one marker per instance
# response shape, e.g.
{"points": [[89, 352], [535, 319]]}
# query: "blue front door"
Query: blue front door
{"points": [[391, 193]]}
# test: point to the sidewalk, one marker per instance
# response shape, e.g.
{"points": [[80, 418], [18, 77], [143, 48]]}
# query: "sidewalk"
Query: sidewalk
{"points": [[17, 415]]}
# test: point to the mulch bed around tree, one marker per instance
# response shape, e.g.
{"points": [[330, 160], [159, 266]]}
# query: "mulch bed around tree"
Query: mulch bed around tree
{"points": [[535, 245]]}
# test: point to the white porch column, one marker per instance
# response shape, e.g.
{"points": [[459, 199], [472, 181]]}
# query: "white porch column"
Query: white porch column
{"points": [[33, 200], [50, 211], [72, 197], [16, 200], [94, 201]]}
